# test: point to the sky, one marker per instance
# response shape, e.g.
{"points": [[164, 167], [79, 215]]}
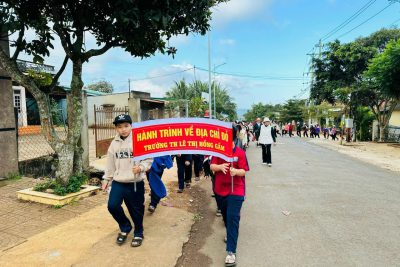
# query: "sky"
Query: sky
{"points": [[259, 49]]}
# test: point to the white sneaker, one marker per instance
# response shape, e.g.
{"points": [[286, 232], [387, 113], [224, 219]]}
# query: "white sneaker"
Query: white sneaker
{"points": [[264, 163], [269, 165], [230, 259]]}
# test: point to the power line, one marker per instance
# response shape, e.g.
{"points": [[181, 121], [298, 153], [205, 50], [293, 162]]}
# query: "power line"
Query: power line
{"points": [[265, 77], [349, 20], [394, 22], [164, 75], [365, 21]]}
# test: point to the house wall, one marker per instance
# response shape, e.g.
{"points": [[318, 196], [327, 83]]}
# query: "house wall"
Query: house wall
{"points": [[119, 100], [395, 119]]}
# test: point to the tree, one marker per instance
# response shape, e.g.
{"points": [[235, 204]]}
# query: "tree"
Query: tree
{"points": [[192, 93], [293, 110], [384, 71], [181, 90], [101, 86], [261, 110], [340, 76], [140, 27]]}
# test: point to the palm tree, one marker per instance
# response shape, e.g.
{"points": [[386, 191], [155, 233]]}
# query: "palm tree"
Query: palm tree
{"points": [[224, 102], [180, 91]]}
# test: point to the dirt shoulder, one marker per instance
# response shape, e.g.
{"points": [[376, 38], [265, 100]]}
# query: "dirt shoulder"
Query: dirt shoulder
{"points": [[204, 218], [386, 156]]}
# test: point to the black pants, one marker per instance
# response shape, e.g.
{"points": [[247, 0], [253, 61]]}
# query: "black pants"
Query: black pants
{"points": [[207, 169], [133, 196], [266, 153], [198, 164], [298, 133], [184, 173]]}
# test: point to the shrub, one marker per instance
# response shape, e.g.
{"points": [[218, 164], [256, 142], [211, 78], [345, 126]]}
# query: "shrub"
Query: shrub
{"points": [[74, 185]]}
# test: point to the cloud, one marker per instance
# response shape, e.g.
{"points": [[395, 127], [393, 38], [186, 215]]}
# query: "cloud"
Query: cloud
{"points": [[235, 10], [161, 80], [227, 42]]}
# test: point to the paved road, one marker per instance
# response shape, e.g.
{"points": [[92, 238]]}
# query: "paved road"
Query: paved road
{"points": [[343, 212]]}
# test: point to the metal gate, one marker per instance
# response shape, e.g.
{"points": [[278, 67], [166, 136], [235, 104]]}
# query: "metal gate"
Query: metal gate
{"points": [[104, 130]]}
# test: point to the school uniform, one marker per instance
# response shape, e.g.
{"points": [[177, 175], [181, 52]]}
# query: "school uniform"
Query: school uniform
{"points": [[230, 195], [126, 186]]}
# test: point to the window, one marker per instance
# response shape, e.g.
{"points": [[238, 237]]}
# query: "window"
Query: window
{"points": [[17, 100]]}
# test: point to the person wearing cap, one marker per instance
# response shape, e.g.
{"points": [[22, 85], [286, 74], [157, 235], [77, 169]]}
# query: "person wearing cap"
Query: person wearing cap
{"points": [[230, 193], [267, 138], [125, 177]]}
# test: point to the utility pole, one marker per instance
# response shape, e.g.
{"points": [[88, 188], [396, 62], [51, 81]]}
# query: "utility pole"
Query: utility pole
{"points": [[311, 71], [209, 76]]}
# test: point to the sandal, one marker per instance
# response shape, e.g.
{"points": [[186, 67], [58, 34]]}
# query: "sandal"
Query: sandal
{"points": [[137, 241], [121, 238]]}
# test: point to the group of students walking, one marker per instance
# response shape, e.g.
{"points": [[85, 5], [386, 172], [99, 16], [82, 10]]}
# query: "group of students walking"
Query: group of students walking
{"points": [[124, 180]]}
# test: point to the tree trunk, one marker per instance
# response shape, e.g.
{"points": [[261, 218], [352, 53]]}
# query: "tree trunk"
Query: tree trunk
{"points": [[78, 160], [382, 128], [65, 163], [70, 154]]}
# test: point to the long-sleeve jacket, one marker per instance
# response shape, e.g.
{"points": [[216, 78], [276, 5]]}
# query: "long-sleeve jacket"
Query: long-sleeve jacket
{"points": [[120, 162]]}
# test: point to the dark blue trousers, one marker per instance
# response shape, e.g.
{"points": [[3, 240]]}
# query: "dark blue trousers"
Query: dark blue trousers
{"points": [[184, 172], [133, 197], [154, 198], [230, 208]]}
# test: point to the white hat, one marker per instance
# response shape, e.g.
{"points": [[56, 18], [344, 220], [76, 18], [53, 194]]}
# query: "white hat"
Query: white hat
{"points": [[266, 119]]}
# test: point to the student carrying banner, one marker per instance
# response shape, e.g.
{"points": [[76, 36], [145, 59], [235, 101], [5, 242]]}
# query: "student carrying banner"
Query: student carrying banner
{"points": [[125, 177], [230, 193]]}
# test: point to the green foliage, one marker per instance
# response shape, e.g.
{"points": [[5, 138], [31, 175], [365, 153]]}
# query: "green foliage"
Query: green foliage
{"points": [[101, 86], [293, 109], [57, 206], [192, 92], [42, 79], [385, 70], [141, 28], [197, 107], [13, 176], [48, 184], [363, 123], [55, 112], [261, 110], [343, 65], [74, 184]]}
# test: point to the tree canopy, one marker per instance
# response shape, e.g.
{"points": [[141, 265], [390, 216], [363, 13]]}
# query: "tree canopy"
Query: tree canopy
{"points": [[261, 110], [140, 27], [385, 70], [225, 106]]}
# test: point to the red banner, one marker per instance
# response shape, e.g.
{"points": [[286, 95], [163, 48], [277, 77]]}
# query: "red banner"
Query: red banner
{"points": [[182, 136]]}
